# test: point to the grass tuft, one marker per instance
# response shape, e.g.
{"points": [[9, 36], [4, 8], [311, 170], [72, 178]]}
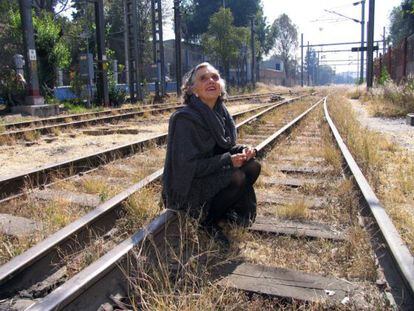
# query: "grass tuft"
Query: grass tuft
{"points": [[31, 136], [295, 211]]}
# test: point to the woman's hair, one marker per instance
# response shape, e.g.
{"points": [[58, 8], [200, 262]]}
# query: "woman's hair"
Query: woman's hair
{"points": [[188, 82]]}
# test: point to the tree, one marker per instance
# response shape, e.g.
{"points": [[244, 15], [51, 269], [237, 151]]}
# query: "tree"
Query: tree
{"points": [[52, 49], [265, 38], [311, 63], [286, 41], [223, 41], [197, 14], [326, 75], [402, 21]]}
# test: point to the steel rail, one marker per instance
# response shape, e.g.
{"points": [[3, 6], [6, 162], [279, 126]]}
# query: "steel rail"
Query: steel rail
{"points": [[396, 254], [45, 129], [27, 268], [40, 122], [113, 266], [79, 116], [15, 185], [106, 119]]}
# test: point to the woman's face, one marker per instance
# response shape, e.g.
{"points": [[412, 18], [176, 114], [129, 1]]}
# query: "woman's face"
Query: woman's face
{"points": [[207, 84]]}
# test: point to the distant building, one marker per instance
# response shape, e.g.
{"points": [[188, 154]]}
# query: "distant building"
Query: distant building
{"points": [[272, 71]]}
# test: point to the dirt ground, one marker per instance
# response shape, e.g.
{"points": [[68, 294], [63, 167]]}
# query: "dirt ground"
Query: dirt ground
{"points": [[19, 158], [396, 128]]}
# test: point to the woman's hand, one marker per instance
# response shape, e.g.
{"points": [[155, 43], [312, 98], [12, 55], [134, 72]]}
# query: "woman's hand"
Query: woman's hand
{"points": [[238, 159], [249, 152]]}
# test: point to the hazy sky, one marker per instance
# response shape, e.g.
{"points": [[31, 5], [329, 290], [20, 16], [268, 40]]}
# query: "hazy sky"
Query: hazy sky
{"points": [[318, 26]]}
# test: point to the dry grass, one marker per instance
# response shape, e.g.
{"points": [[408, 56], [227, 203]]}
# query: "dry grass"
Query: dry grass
{"points": [[52, 215], [388, 169], [31, 135], [295, 211], [97, 186], [180, 275], [55, 131], [141, 207], [7, 140], [356, 93], [388, 100]]}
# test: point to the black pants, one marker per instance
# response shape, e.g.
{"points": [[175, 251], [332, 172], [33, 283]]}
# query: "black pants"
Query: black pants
{"points": [[238, 196]]}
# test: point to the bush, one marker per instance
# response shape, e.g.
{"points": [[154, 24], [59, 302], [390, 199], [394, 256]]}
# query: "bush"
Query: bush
{"points": [[117, 96], [384, 77]]}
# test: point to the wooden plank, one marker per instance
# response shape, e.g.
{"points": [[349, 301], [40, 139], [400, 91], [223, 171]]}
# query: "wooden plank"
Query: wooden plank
{"points": [[82, 199], [312, 202], [294, 228], [286, 283], [300, 169], [290, 182], [311, 137], [300, 159]]}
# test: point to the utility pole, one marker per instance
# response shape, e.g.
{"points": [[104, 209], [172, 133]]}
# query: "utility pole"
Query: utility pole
{"points": [[383, 41], [126, 52], [307, 66], [301, 58], [317, 70], [133, 28], [370, 46], [158, 48], [361, 74], [32, 88], [253, 53], [177, 29], [102, 80]]}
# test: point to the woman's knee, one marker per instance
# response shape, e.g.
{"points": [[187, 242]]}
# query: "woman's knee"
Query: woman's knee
{"points": [[253, 168], [238, 179]]}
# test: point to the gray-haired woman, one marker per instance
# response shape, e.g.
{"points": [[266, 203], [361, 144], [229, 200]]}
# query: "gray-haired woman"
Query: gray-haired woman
{"points": [[206, 174]]}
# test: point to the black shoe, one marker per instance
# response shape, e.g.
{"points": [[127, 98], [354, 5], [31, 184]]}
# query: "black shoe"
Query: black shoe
{"points": [[216, 232]]}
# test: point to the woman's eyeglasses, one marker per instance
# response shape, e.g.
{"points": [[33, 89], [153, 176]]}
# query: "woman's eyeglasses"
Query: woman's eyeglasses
{"points": [[207, 77]]}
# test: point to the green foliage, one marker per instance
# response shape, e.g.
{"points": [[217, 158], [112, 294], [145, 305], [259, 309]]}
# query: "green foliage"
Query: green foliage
{"points": [[265, 35], [52, 49], [223, 41], [117, 96], [286, 34], [49, 41], [384, 77], [402, 21], [76, 106], [197, 14]]}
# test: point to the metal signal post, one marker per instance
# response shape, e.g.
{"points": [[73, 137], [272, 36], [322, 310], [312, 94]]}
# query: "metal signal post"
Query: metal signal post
{"points": [[135, 66], [158, 48], [102, 80], [177, 29], [253, 69]]}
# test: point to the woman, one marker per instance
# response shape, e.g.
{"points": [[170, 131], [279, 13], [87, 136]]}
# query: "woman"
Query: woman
{"points": [[206, 174]]}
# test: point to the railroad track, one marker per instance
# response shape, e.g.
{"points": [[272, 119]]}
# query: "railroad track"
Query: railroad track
{"points": [[26, 270], [12, 187], [49, 125], [328, 264]]}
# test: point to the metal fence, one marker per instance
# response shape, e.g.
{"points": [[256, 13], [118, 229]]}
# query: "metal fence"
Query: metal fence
{"points": [[398, 61]]}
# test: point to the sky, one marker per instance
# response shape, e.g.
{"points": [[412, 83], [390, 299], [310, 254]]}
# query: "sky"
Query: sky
{"points": [[319, 26]]}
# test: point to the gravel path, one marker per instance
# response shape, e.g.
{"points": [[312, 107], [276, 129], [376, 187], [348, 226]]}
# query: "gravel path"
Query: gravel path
{"points": [[396, 128]]}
